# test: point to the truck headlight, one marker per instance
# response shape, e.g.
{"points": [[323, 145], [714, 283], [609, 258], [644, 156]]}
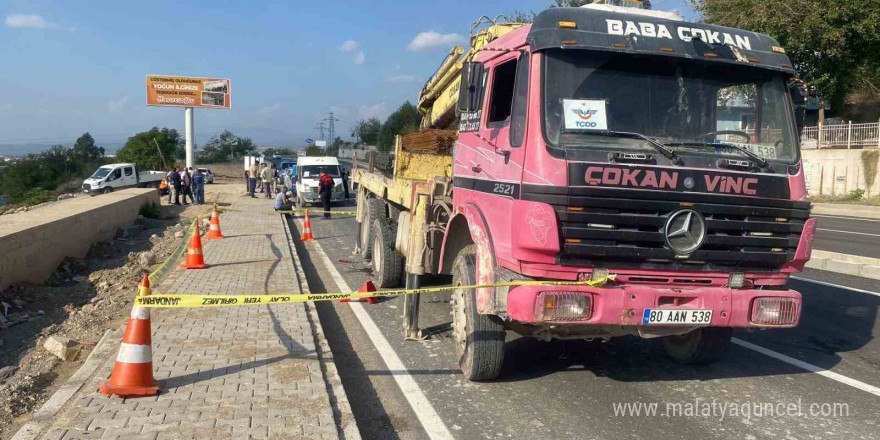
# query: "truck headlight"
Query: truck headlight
{"points": [[564, 306], [774, 311]]}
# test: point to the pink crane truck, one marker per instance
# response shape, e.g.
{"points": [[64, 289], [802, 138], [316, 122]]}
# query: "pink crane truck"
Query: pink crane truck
{"points": [[599, 141]]}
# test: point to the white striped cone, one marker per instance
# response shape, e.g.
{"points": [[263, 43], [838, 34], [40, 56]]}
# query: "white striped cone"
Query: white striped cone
{"points": [[133, 372]]}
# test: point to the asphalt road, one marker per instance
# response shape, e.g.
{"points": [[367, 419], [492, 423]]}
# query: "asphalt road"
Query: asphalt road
{"points": [[848, 235], [569, 389]]}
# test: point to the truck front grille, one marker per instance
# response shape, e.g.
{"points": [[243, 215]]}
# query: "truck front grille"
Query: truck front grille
{"points": [[625, 228]]}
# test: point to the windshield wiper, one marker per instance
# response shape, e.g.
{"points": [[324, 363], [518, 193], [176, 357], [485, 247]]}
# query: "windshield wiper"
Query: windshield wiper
{"points": [[762, 163], [668, 152]]}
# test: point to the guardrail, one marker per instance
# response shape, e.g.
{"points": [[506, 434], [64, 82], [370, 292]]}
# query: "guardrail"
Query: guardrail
{"points": [[841, 136]]}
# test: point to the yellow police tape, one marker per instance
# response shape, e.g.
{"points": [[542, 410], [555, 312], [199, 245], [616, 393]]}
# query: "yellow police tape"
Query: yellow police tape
{"points": [[177, 301], [316, 211]]}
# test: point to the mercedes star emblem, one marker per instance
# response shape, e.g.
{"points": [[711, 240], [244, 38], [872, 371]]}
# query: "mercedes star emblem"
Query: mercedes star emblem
{"points": [[685, 231]]}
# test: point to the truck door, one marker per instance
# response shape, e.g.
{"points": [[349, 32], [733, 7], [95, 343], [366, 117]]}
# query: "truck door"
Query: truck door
{"points": [[505, 120], [130, 178]]}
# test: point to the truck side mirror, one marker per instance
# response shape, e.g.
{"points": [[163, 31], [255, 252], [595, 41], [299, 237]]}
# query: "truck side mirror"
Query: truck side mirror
{"points": [[800, 94], [471, 87]]}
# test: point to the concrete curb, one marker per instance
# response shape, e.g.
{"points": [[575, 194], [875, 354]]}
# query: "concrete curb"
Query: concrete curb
{"points": [[44, 416], [346, 424], [855, 265]]}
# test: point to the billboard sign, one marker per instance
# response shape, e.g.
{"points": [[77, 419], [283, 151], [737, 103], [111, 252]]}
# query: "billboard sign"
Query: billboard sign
{"points": [[186, 91]]}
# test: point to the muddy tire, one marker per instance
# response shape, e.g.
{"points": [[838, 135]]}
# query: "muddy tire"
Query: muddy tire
{"points": [[699, 347], [375, 209], [387, 262], [479, 339]]}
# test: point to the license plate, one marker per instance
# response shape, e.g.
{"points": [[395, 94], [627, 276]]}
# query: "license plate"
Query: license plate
{"points": [[677, 317]]}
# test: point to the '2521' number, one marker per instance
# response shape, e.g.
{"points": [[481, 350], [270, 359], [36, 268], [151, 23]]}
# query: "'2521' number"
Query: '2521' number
{"points": [[503, 188]]}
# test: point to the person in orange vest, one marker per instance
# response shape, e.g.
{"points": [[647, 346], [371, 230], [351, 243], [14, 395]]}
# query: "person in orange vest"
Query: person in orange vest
{"points": [[325, 190]]}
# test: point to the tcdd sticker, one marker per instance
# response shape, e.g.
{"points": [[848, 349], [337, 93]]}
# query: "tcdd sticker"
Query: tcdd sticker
{"points": [[584, 114]]}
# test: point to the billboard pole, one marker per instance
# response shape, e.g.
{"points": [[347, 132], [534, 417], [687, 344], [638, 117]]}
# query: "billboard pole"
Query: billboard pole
{"points": [[190, 159]]}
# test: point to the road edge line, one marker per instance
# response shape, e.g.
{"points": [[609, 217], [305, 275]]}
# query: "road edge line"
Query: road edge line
{"points": [[421, 406], [338, 396], [809, 367]]}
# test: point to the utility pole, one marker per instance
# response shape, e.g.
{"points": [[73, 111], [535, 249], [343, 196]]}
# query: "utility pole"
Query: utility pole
{"points": [[331, 120]]}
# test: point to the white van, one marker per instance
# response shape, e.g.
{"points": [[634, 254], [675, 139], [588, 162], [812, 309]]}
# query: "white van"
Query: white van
{"points": [[307, 173]]}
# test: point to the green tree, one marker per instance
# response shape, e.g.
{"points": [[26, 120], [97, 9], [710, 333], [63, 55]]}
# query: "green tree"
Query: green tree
{"points": [[404, 120], [313, 150], [142, 149], [226, 147], [85, 150], [367, 130], [284, 151], [833, 44]]}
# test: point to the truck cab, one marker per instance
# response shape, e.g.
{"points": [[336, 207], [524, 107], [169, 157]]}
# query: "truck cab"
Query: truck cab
{"points": [[656, 157]]}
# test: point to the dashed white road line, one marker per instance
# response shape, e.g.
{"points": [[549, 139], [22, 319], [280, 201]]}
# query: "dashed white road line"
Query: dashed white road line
{"points": [[421, 406], [823, 283], [809, 367]]}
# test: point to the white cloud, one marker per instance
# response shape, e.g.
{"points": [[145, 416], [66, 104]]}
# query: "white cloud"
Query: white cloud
{"points": [[373, 111], [403, 79], [269, 109], [32, 21], [116, 106], [429, 40], [349, 46]]}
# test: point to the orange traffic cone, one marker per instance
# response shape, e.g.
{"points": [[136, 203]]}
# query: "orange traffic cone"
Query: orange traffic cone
{"points": [[133, 372], [214, 232], [367, 287], [307, 229], [194, 257]]}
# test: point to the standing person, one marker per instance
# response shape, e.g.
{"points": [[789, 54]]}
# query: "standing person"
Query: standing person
{"points": [[247, 181], [169, 184], [266, 176], [344, 174], [198, 186], [176, 186], [325, 190], [252, 178], [186, 184]]}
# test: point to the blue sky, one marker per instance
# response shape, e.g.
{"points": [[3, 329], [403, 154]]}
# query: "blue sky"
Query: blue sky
{"points": [[70, 66]]}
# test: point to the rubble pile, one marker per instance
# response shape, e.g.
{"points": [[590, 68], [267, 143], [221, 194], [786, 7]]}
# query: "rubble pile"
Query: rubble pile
{"points": [[49, 327]]}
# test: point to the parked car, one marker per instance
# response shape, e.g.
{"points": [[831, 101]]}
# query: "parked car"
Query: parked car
{"points": [[209, 176]]}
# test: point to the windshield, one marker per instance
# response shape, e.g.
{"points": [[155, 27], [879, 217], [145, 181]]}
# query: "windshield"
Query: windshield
{"points": [[670, 99], [311, 171], [101, 173]]}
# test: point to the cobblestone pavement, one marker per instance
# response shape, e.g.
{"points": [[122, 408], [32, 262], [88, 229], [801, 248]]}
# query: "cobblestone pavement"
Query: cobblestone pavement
{"points": [[228, 373]]}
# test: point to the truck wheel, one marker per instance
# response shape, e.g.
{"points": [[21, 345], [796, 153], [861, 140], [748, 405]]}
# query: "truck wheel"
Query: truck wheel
{"points": [[374, 210], [699, 347], [108, 190], [479, 339], [387, 262]]}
